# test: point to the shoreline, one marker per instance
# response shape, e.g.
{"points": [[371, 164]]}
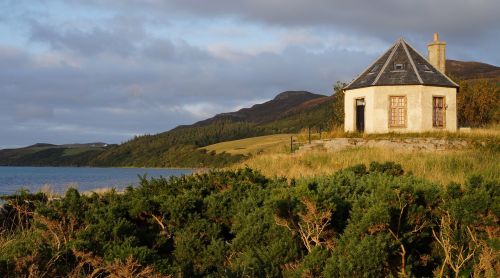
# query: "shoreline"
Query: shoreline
{"points": [[106, 167], [56, 180]]}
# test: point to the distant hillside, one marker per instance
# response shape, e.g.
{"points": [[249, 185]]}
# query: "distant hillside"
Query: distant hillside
{"points": [[472, 70], [288, 112], [42, 154], [70, 146], [268, 111], [180, 146]]}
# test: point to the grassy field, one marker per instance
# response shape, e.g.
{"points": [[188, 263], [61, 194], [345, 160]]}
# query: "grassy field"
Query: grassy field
{"points": [[439, 166], [256, 145], [442, 167]]}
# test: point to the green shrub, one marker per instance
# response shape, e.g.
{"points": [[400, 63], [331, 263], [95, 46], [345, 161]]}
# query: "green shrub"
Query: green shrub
{"points": [[357, 222]]}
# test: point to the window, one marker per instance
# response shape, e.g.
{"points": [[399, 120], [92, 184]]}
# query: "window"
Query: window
{"points": [[438, 112], [397, 112], [399, 66]]}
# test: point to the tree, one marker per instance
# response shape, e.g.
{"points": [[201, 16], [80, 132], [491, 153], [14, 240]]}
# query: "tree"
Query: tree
{"points": [[338, 103], [478, 103]]}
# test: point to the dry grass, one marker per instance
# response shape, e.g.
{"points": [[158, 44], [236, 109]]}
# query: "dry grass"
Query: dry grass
{"points": [[255, 145], [488, 133], [439, 166], [49, 191], [101, 191], [443, 166]]}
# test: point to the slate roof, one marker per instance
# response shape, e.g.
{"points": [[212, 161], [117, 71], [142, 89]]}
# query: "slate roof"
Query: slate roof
{"points": [[401, 64]]}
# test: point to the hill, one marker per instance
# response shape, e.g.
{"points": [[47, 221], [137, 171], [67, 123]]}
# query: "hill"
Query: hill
{"points": [[43, 154], [288, 112], [268, 111], [472, 70], [180, 147]]}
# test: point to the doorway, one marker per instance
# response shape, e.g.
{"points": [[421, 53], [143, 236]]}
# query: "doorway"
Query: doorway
{"points": [[438, 112], [360, 115]]}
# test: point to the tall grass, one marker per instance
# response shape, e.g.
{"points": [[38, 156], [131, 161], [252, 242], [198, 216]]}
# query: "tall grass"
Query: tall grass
{"points": [[489, 133], [441, 166]]}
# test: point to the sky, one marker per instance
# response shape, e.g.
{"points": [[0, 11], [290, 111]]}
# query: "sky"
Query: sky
{"points": [[107, 70]]}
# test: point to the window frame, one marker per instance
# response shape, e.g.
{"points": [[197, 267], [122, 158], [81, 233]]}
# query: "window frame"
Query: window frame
{"points": [[405, 112], [396, 66]]}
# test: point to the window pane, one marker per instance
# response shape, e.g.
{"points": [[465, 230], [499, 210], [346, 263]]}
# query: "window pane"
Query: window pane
{"points": [[397, 112]]}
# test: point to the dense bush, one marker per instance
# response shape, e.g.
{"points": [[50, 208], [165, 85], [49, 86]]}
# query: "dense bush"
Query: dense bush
{"points": [[363, 221]]}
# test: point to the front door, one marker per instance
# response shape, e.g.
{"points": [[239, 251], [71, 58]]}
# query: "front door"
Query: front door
{"points": [[438, 112], [360, 115]]}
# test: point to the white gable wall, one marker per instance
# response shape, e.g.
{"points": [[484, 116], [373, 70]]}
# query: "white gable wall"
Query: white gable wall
{"points": [[419, 108]]}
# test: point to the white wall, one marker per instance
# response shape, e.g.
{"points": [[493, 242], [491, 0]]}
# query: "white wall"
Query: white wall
{"points": [[350, 107], [419, 108]]}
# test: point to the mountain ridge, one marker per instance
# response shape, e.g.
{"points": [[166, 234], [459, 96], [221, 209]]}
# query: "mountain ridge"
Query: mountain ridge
{"points": [[466, 70], [267, 111]]}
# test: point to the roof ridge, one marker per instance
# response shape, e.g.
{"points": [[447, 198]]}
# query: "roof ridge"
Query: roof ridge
{"points": [[370, 66], [442, 73], [387, 62], [412, 62]]}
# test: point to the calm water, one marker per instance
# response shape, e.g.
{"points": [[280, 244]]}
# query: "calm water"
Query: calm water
{"points": [[60, 178]]}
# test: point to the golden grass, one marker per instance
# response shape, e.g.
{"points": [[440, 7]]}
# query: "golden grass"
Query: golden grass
{"points": [[49, 191], [441, 166], [255, 145], [101, 191], [488, 133]]}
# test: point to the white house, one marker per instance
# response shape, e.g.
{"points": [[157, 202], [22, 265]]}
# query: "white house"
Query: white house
{"points": [[403, 92]]}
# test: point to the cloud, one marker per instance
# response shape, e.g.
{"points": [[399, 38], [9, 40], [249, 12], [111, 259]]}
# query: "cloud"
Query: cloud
{"points": [[389, 17], [27, 111], [119, 38], [109, 98], [79, 71], [470, 27]]}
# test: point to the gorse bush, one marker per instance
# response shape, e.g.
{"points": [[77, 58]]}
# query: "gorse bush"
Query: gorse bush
{"points": [[362, 221]]}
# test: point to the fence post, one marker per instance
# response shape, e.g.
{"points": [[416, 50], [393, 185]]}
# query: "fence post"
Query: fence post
{"points": [[291, 144], [309, 128]]}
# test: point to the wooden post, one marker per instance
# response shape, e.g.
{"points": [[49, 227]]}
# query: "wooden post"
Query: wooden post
{"points": [[291, 144], [309, 134], [320, 133]]}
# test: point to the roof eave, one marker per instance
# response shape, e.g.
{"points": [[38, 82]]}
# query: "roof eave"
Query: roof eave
{"points": [[408, 84]]}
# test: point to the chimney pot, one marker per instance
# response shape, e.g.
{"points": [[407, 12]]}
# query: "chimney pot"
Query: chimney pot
{"points": [[436, 37]]}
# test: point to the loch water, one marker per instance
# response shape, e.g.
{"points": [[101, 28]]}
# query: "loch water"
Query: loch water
{"points": [[59, 179]]}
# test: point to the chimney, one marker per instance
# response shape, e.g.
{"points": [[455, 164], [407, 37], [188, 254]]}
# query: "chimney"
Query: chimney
{"points": [[437, 53]]}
